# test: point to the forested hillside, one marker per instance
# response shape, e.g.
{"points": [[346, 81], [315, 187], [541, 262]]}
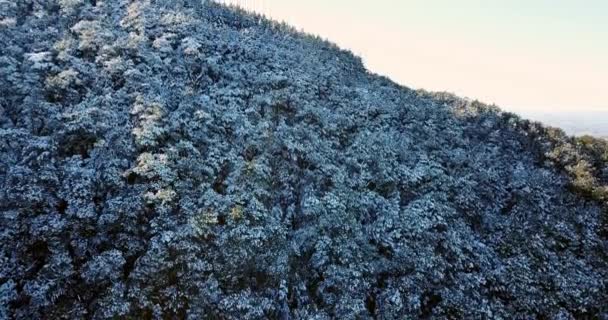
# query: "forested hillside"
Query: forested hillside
{"points": [[180, 159]]}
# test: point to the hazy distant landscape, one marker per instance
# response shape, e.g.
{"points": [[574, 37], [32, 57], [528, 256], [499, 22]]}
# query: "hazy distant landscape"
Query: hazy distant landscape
{"points": [[593, 123]]}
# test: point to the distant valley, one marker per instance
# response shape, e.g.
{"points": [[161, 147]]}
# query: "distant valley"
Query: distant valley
{"points": [[593, 123]]}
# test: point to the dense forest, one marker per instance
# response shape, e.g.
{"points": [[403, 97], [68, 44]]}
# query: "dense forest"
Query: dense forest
{"points": [[182, 159]]}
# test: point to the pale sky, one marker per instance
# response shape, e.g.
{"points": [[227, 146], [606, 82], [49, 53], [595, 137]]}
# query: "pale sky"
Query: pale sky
{"points": [[523, 55]]}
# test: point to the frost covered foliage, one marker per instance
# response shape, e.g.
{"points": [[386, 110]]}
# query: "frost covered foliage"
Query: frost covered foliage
{"points": [[173, 159]]}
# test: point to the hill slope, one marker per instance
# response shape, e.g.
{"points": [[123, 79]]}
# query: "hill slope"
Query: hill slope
{"points": [[171, 159]]}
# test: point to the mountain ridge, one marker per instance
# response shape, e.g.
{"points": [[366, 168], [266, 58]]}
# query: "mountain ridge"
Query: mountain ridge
{"points": [[186, 160]]}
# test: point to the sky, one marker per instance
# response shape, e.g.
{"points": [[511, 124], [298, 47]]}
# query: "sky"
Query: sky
{"points": [[526, 56]]}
